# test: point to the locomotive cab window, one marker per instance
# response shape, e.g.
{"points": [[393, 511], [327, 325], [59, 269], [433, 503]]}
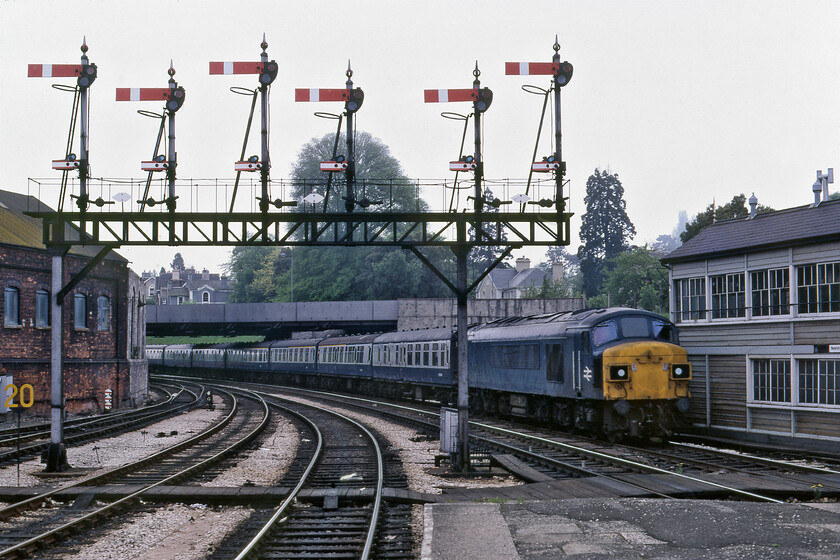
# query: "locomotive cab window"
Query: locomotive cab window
{"points": [[604, 333], [664, 331], [635, 327]]}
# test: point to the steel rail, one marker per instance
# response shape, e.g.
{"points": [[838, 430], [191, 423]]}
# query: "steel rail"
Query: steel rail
{"points": [[621, 460], [107, 425], [377, 500], [577, 449], [253, 546], [30, 544], [34, 501], [34, 431]]}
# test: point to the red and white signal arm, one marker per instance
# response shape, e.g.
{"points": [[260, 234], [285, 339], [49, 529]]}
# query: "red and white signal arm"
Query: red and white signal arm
{"points": [[462, 166], [247, 166], [545, 166], [54, 70], [154, 165], [531, 68], [316, 95], [449, 95], [333, 166], [65, 164]]}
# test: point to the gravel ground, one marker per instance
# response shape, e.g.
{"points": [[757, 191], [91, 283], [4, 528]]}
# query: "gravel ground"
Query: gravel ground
{"points": [[99, 456], [181, 532]]}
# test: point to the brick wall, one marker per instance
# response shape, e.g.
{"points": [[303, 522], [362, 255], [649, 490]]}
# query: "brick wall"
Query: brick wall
{"points": [[94, 359]]}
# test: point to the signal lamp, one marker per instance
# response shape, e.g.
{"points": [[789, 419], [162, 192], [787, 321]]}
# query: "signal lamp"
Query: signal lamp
{"points": [[355, 98], [174, 99], [87, 76], [269, 73], [485, 98], [564, 74]]}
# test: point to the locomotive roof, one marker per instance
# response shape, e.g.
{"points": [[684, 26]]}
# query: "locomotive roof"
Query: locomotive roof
{"points": [[420, 335], [550, 325]]}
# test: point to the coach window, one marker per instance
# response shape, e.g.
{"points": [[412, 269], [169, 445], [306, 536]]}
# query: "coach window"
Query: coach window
{"points": [[103, 313], [11, 304], [42, 308], [79, 311]]}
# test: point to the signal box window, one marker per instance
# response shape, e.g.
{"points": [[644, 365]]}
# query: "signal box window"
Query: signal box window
{"points": [[819, 381], [771, 380], [11, 304], [42, 308], [79, 311], [770, 292], [728, 296], [690, 298]]}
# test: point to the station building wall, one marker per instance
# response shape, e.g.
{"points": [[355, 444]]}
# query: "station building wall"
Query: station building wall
{"points": [[103, 350]]}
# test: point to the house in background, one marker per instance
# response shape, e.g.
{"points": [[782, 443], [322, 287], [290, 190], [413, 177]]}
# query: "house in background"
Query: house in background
{"points": [[187, 286], [509, 283]]}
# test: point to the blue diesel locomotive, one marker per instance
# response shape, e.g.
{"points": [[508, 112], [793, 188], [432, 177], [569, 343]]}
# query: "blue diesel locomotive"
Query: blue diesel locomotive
{"points": [[615, 371]]}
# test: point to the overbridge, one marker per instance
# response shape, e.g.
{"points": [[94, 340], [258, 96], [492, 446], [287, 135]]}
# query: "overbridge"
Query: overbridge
{"points": [[280, 320], [273, 320]]}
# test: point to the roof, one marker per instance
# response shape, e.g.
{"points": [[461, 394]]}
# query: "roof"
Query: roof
{"points": [[783, 228], [508, 278], [16, 228], [534, 327]]}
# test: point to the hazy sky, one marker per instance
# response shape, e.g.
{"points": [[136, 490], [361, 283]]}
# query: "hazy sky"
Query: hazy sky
{"points": [[686, 101]]}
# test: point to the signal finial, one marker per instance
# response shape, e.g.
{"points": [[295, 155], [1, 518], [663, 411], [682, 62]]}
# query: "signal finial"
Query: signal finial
{"points": [[476, 72], [84, 46], [171, 70], [349, 70], [556, 44], [264, 44]]}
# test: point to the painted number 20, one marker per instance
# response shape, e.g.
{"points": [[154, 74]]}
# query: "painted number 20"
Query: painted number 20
{"points": [[24, 402]]}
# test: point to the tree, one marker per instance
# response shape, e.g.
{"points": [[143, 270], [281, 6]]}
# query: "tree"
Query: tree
{"points": [[379, 175], [736, 208], [341, 273], [245, 261], [178, 262], [605, 227], [636, 278]]}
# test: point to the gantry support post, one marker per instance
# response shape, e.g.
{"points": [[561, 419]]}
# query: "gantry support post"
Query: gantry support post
{"points": [[56, 452]]}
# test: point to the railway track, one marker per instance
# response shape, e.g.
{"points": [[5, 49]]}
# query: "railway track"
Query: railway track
{"points": [[678, 473], [38, 522], [342, 469], [32, 440]]}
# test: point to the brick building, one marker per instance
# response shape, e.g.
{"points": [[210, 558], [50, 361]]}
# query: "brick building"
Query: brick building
{"points": [[103, 318]]}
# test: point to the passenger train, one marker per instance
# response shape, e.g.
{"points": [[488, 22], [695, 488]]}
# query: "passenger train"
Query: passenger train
{"points": [[617, 371]]}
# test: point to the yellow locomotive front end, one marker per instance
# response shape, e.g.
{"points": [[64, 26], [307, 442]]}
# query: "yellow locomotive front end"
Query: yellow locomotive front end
{"points": [[645, 384]]}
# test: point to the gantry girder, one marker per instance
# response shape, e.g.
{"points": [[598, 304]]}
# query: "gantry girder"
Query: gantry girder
{"points": [[426, 229]]}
